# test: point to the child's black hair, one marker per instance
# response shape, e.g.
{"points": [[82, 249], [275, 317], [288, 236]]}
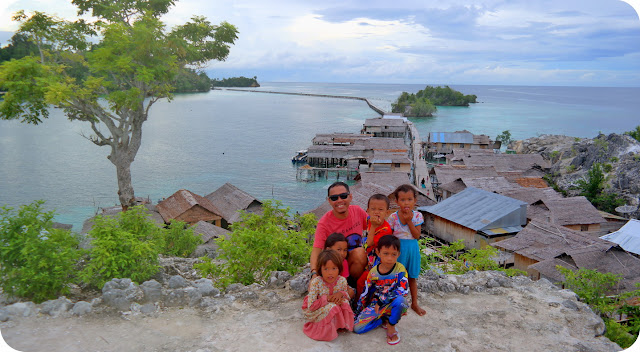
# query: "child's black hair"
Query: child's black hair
{"points": [[379, 196], [333, 239], [326, 256], [389, 241], [405, 188]]}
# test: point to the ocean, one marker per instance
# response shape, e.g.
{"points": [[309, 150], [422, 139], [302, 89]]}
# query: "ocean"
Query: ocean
{"points": [[200, 141]]}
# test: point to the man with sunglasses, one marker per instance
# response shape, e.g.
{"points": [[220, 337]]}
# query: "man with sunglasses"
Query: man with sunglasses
{"points": [[349, 220]]}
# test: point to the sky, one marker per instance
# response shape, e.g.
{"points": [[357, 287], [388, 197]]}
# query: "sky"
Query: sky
{"points": [[495, 42]]}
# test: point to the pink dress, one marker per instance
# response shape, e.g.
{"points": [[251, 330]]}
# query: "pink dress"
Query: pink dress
{"points": [[325, 318]]}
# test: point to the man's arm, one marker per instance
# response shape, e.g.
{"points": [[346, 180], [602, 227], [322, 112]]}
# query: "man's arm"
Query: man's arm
{"points": [[313, 260]]}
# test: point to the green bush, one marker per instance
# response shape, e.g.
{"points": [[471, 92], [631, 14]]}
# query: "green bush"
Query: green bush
{"points": [[617, 333], [607, 167], [591, 286], [124, 246], [180, 241], [37, 262], [260, 244]]}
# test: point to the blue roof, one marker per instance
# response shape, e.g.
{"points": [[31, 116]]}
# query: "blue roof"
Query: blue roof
{"points": [[480, 210], [451, 137], [628, 236]]}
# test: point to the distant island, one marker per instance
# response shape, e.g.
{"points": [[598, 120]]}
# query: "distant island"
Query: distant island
{"points": [[235, 82], [423, 103]]}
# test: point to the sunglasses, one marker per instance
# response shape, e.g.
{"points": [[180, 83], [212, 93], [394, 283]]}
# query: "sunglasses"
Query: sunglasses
{"points": [[334, 197]]}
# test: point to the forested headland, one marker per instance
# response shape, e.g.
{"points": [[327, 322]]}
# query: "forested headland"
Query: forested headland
{"points": [[423, 103], [235, 82]]}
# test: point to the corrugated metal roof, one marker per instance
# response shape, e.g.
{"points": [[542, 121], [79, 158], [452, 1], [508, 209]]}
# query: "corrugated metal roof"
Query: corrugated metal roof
{"points": [[475, 208], [451, 137], [628, 237]]}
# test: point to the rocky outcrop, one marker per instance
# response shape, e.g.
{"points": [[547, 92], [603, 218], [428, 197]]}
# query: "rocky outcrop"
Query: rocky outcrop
{"points": [[572, 158], [477, 311]]}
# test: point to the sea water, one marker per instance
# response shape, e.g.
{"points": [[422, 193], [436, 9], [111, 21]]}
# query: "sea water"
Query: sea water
{"points": [[200, 141]]}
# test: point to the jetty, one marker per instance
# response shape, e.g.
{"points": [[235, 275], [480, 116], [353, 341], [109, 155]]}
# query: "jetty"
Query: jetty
{"points": [[371, 105], [343, 155]]}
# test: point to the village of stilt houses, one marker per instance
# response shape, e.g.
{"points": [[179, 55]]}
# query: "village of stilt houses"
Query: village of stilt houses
{"points": [[468, 190]]}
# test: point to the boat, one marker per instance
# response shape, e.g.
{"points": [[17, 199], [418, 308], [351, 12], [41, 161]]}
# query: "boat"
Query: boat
{"points": [[300, 157]]}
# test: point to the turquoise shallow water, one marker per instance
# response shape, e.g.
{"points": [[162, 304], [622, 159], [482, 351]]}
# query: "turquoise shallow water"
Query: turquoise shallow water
{"points": [[201, 141]]}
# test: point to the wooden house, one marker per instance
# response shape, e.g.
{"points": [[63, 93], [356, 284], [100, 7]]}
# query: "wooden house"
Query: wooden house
{"points": [[613, 222], [385, 127], [445, 142], [338, 151], [383, 160], [575, 213], [476, 216], [231, 200], [208, 233], [489, 183], [541, 245], [445, 174], [189, 207]]}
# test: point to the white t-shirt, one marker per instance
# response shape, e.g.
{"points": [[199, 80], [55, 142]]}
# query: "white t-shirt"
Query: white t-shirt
{"points": [[401, 230]]}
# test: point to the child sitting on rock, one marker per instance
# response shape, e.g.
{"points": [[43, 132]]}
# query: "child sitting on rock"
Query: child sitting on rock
{"points": [[326, 307], [382, 302]]}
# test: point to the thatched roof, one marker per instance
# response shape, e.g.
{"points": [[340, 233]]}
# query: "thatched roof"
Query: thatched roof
{"points": [[604, 259], [447, 173], [530, 195], [481, 139], [181, 201], [488, 183], [209, 231], [573, 211], [230, 200], [381, 122], [386, 157], [541, 240], [329, 138], [532, 182], [507, 162], [453, 187]]}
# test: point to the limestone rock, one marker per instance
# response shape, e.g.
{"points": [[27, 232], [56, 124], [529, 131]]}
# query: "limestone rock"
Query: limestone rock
{"points": [[152, 291], [56, 307], [22, 309], [177, 281], [82, 308]]}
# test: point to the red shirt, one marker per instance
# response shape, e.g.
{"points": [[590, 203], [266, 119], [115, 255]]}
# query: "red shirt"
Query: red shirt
{"points": [[354, 224]]}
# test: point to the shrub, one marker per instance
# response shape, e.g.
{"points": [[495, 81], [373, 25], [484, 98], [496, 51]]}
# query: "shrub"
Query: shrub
{"points": [[123, 246], [36, 261], [590, 285], [614, 159], [260, 244], [607, 167], [618, 334], [180, 241]]}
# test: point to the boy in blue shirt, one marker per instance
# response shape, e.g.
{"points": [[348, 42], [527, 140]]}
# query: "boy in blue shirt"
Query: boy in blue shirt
{"points": [[382, 302]]}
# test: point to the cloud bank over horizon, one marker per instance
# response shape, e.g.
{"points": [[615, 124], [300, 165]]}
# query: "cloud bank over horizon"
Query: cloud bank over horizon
{"points": [[563, 42]]}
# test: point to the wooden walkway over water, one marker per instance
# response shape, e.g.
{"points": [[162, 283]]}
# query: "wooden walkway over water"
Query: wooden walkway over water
{"points": [[419, 168], [373, 107]]}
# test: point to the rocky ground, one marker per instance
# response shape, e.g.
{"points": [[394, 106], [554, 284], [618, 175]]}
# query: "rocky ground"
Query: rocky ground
{"points": [[572, 158], [478, 311]]}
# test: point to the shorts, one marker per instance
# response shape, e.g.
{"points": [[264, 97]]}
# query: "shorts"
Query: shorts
{"points": [[410, 257]]}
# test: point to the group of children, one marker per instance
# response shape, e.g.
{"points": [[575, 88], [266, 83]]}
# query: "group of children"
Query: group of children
{"points": [[379, 297]]}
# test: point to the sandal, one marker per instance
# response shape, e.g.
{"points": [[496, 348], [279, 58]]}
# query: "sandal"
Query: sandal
{"points": [[389, 336]]}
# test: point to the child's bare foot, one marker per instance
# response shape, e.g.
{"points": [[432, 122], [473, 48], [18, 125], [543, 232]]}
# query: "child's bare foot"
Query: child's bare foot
{"points": [[416, 308], [384, 325]]}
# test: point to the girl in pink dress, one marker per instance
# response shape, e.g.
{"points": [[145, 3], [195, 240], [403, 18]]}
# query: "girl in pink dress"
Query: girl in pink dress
{"points": [[326, 307]]}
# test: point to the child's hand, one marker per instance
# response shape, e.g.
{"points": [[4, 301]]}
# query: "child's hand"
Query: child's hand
{"points": [[377, 309], [405, 217], [335, 298]]}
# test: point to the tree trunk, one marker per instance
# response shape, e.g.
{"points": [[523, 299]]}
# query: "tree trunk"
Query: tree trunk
{"points": [[125, 188]]}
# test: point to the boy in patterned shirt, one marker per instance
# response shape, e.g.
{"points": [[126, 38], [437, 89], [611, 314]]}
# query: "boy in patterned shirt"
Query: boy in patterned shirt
{"points": [[382, 302]]}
